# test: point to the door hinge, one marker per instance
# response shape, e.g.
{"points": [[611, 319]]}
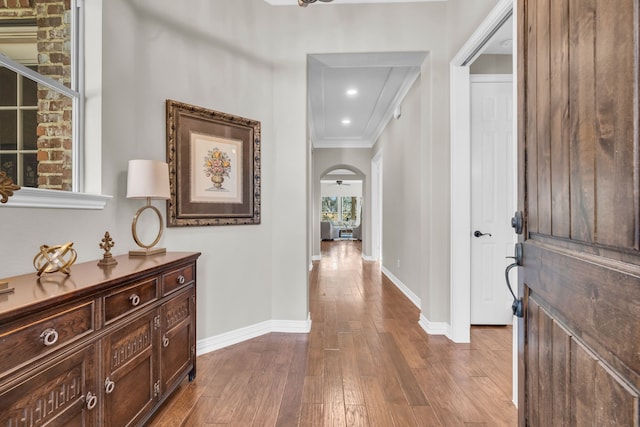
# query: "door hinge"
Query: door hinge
{"points": [[156, 322], [156, 389]]}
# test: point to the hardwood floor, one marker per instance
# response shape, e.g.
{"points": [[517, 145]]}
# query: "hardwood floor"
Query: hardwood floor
{"points": [[366, 362]]}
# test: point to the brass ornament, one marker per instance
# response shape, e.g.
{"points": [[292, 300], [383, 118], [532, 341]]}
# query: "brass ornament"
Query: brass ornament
{"points": [[55, 258], [7, 187], [106, 244]]}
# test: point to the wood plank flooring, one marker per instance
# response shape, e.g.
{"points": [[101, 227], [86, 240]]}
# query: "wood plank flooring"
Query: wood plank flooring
{"points": [[366, 362]]}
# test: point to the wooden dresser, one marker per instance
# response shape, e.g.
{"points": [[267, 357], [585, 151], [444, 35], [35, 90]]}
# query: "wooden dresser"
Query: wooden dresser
{"points": [[104, 346]]}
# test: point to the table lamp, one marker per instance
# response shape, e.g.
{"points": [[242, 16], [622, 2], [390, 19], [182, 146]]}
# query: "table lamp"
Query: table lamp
{"points": [[147, 179]]}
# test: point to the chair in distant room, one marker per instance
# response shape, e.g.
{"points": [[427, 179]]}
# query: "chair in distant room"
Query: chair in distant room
{"points": [[328, 231], [357, 232]]}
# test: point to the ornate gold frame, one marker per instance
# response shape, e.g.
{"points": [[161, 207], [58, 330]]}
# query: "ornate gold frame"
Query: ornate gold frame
{"points": [[184, 121]]}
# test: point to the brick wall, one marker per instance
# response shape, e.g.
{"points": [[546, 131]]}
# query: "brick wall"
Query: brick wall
{"points": [[53, 20], [17, 8], [54, 110]]}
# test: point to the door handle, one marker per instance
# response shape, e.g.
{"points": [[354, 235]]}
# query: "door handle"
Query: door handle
{"points": [[479, 233], [517, 306]]}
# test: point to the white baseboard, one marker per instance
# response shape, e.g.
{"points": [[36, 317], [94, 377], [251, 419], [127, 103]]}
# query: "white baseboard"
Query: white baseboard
{"points": [[434, 328], [310, 266], [217, 342], [431, 328], [368, 258], [316, 258], [403, 288]]}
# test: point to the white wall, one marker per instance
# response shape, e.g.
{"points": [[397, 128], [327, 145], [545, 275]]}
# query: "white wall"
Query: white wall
{"points": [[492, 64], [247, 58], [402, 190], [198, 55]]}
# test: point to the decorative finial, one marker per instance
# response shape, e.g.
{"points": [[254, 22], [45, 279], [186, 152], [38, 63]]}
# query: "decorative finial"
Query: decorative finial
{"points": [[7, 187], [106, 245]]}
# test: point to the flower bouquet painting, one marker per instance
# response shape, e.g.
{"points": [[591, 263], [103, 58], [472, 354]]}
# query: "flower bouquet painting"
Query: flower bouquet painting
{"points": [[214, 167], [217, 166], [216, 173]]}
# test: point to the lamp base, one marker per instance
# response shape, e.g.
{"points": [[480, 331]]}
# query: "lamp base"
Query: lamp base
{"points": [[147, 252]]}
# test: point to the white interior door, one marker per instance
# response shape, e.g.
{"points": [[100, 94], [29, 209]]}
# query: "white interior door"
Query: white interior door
{"points": [[491, 198]]}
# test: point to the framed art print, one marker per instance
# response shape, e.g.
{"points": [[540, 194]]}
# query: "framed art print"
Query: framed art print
{"points": [[214, 167]]}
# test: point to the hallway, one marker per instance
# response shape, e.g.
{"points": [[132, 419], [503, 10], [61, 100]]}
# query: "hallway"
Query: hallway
{"points": [[366, 362]]}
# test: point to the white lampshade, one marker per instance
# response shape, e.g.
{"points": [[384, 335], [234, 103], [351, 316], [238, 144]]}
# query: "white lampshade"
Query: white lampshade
{"points": [[148, 178]]}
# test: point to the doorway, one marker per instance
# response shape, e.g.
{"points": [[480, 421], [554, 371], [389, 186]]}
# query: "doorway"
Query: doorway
{"points": [[461, 232], [492, 147]]}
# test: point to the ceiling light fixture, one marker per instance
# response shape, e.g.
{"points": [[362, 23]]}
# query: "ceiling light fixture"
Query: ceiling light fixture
{"points": [[506, 43], [352, 92], [304, 3], [346, 121]]}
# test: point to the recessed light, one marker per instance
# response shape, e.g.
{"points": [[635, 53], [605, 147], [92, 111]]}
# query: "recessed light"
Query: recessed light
{"points": [[506, 43], [346, 121], [352, 92]]}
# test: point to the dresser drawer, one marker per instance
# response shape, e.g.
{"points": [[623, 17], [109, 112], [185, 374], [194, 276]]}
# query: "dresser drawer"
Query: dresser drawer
{"points": [[34, 337], [177, 279], [125, 300]]}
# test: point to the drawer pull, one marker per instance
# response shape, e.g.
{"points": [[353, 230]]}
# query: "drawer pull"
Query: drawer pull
{"points": [[165, 341], [180, 279], [109, 386], [49, 337], [92, 401], [135, 300]]}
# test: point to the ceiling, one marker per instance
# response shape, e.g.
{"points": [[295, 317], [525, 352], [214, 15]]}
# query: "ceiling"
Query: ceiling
{"points": [[501, 43], [338, 119]]}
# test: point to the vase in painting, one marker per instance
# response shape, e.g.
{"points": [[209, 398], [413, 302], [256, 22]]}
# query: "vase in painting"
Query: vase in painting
{"points": [[217, 181]]}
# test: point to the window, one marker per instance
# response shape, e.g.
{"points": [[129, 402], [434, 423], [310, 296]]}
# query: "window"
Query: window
{"points": [[40, 108], [330, 209], [341, 210], [348, 211], [18, 122]]}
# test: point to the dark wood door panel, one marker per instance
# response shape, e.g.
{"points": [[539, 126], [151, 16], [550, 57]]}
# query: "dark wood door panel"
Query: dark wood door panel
{"points": [[579, 189], [570, 385], [581, 128], [130, 364], [597, 301], [56, 396], [177, 354]]}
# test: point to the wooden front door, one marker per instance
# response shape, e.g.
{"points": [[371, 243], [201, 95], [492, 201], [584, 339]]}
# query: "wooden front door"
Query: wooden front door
{"points": [[579, 189]]}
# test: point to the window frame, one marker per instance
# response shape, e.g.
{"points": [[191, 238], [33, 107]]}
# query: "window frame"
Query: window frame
{"points": [[75, 199]]}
